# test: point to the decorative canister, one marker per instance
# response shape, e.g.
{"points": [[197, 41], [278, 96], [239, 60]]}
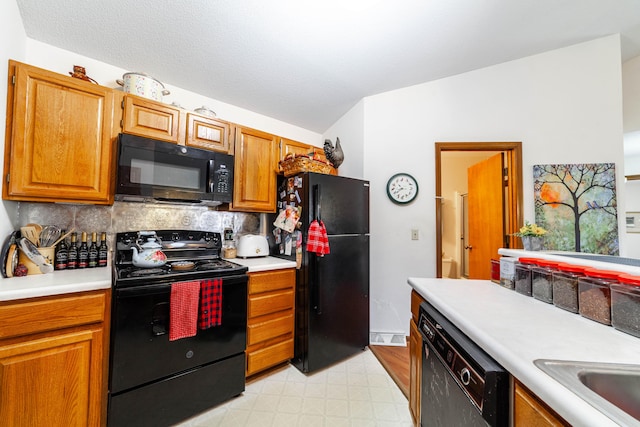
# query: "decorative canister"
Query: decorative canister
{"points": [[523, 275], [508, 272], [625, 304], [542, 280], [565, 286], [594, 297]]}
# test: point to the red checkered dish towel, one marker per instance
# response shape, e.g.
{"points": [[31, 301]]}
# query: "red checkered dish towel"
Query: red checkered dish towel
{"points": [[210, 303], [183, 311], [317, 240]]}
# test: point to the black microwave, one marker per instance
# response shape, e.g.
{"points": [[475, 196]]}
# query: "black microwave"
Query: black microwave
{"points": [[152, 170]]}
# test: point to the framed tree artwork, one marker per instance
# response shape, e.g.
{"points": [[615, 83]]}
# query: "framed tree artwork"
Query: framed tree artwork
{"points": [[576, 204]]}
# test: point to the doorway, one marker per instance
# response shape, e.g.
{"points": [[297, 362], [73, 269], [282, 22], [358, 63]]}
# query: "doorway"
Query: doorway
{"points": [[511, 174]]}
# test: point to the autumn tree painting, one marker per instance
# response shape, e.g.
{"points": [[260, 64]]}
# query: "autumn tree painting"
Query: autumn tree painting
{"points": [[576, 203]]}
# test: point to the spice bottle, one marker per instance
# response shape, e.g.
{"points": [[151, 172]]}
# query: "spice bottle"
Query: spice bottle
{"points": [[594, 297], [625, 304], [565, 286]]}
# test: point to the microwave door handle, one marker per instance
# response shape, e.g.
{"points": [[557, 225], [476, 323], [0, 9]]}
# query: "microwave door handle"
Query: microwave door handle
{"points": [[210, 183]]}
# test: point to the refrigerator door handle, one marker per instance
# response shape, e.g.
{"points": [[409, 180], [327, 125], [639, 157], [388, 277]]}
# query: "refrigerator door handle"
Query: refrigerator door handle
{"points": [[315, 291], [316, 202]]}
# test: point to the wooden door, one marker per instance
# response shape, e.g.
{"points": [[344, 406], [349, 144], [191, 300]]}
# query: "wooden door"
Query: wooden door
{"points": [[486, 215], [256, 162], [59, 138]]}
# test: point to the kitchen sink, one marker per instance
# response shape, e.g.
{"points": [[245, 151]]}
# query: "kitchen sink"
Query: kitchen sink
{"points": [[613, 389]]}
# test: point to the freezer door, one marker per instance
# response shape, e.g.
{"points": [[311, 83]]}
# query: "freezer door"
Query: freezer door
{"points": [[341, 203], [338, 310]]}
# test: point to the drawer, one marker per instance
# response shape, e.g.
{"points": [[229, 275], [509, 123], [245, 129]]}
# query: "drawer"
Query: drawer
{"points": [[269, 356], [271, 280], [49, 313], [269, 303], [258, 331]]}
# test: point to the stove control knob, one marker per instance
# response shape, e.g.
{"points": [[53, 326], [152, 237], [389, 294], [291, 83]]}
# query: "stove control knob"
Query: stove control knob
{"points": [[207, 237], [175, 237]]}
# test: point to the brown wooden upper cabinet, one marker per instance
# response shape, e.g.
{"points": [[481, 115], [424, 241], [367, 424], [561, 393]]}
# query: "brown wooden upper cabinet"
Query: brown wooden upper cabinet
{"points": [[153, 119], [59, 138], [256, 163], [289, 146]]}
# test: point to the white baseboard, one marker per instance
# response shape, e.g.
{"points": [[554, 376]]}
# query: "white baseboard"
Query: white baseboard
{"points": [[388, 338]]}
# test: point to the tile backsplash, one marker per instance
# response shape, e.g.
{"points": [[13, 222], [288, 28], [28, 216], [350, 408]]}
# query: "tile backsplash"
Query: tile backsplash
{"points": [[125, 216]]}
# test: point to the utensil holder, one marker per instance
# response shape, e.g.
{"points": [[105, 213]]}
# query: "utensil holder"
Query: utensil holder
{"points": [[47, 252]]}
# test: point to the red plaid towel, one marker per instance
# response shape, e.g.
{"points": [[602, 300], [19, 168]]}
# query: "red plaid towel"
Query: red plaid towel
{"points": [[183, 312], [210, 303], [317, 240]]}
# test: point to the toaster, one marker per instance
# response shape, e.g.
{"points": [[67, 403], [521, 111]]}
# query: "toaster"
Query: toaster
{"points": [[252, 245]]}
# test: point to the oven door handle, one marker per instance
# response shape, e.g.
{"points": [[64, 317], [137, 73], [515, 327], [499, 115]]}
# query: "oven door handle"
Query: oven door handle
{"points": [[136, 291]]}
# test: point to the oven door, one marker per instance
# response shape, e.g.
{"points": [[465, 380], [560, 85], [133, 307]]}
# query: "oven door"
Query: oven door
{"points": [[151, 169], [140, 348]]}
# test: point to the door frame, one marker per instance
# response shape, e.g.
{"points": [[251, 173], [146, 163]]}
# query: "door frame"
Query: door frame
{"points": [[514, 202]]}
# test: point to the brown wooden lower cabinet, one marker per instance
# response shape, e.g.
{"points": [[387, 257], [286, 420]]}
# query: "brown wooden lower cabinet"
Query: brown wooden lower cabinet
{"points": [[270, 319], [53, 360], [530, 411]]}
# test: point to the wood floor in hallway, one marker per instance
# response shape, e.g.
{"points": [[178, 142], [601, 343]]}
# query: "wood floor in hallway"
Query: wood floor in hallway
{"points": [[395, 360]]}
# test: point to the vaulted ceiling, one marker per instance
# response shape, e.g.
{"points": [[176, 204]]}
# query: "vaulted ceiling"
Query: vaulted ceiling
{"points": [[308, 62]]}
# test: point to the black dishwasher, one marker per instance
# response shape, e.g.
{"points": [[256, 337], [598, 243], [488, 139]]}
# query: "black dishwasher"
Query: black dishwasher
{"points": [[461, 384]]}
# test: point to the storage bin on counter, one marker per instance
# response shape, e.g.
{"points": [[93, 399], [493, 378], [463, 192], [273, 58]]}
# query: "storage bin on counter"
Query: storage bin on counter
{"points": [[508, 272], [523, 275], [594, 290], [625, 304], [495, 271], [542, 280], [565, 286]]}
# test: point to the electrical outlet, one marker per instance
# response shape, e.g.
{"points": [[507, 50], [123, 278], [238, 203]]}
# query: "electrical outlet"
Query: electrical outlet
{"points": [[415, 234]]}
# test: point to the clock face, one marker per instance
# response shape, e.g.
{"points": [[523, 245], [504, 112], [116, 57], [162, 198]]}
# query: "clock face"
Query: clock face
{"points": [[402, 188]]}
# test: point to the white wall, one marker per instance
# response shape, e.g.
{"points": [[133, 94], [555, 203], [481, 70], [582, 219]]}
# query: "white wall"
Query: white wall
{"points": [[62, 61], [350, 130], [564, 105]]}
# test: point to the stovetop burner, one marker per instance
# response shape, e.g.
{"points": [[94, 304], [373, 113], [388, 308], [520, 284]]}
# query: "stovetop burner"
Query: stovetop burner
{"points": [[190, 255]]}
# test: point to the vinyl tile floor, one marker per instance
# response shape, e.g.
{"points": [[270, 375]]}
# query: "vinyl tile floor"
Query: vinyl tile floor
{"points": [[357, 392]]}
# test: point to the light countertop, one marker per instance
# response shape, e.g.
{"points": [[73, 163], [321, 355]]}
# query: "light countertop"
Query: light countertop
{"points": [[516, 330], [55, 283], [264, 263], [90, 279]]}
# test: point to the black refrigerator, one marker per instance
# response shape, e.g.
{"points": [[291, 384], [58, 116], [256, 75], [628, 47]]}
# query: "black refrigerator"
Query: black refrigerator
{"points": [[332, 290]]}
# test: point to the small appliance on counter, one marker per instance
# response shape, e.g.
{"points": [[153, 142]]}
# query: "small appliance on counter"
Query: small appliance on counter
{"points": [[252, 245]]}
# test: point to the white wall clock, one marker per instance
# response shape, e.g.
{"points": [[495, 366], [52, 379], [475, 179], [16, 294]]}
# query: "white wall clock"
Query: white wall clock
{"points": [[402, 188]]}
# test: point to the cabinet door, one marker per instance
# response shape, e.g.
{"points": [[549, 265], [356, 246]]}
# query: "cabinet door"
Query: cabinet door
{"points": [[145, 117], [53, 380], [415, 371], [59, 138], [289, 146], [255, 171], [206, 133], [528, 410]]}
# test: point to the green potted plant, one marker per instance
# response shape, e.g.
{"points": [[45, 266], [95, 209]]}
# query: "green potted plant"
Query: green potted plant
{"points": [[531, 235]]}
